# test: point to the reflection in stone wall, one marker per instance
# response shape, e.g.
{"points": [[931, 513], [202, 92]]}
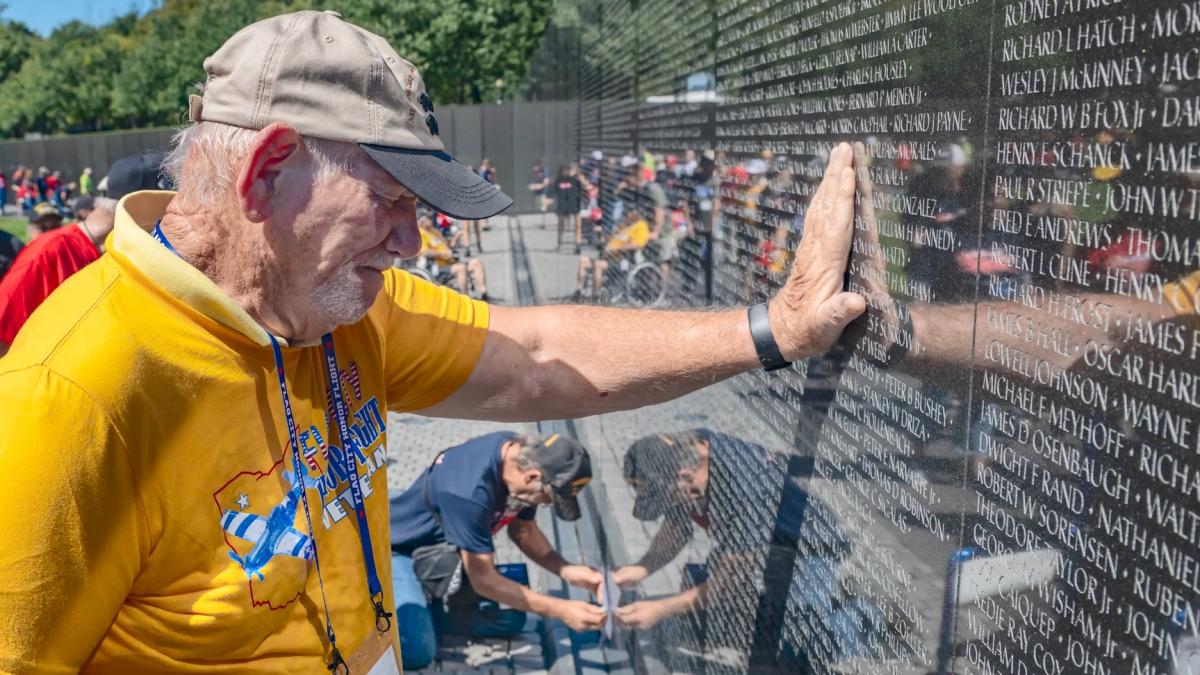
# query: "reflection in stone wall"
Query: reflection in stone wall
{"points": [[996, 470]]}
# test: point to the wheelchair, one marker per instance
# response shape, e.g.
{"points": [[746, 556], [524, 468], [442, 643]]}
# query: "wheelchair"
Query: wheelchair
{"points": [[437, 273], [632, 280]]}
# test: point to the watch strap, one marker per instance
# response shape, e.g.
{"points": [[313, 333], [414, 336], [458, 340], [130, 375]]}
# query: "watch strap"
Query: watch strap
{"points": [[764, 340]]}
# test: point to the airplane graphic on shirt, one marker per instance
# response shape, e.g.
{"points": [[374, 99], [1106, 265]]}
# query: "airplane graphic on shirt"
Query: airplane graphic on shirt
{"points": [[271, 535]]}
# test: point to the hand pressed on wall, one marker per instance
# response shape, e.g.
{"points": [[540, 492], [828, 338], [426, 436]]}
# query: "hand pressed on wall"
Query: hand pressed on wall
{"points": [[811, 310]]}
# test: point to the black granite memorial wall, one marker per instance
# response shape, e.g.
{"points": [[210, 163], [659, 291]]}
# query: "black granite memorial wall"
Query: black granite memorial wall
{"points": [[997, 470]]}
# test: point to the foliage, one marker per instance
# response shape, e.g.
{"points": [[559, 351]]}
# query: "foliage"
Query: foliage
{"points": [[466, 49], [153, 84], [16, 42], [138, 71], [66, 82]]}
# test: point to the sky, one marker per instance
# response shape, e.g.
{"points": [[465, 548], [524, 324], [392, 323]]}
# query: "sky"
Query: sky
{"points": [[43, 17]]}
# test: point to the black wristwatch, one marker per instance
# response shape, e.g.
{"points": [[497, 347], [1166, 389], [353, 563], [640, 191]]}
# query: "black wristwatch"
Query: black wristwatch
{"points": [[764, 341]]}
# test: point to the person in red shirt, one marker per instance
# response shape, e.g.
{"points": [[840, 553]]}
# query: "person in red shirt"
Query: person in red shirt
{"points": [[51, 257], [46, 262]]}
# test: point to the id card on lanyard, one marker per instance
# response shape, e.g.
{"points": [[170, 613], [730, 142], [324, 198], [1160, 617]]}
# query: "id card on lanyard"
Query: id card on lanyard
{"points": [[375, 651]]}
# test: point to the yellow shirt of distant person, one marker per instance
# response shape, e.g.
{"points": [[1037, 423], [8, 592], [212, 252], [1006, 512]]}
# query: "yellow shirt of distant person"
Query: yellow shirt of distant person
{"points": [[142, 419], [636, 234], [435, 246]]}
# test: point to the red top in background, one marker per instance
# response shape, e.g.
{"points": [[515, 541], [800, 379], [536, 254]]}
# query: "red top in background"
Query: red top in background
{"points": [[39, 269]]}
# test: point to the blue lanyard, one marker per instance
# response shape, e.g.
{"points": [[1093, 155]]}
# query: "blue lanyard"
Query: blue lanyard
{"points": [[383, 618], [350, 450], [161, 238], [336, 661]]}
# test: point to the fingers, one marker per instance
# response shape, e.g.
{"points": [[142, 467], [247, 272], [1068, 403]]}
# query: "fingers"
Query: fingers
{"points": [[832, 207], [594, 617], [837, 160], [866, 194], [636, 616], [840, 310], [829, 224], [842, 211]]}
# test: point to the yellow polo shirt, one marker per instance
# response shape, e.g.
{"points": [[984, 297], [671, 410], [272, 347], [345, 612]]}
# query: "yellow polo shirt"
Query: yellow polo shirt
{"points": [[636, 233], [145, 448]]}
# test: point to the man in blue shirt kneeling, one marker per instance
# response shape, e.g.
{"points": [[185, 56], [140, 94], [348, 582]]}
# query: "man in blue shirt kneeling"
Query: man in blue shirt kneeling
{"points": [[443, 562]]}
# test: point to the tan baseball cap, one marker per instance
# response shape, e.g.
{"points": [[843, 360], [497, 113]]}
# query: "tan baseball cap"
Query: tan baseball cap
{"points": [[331, 79]]}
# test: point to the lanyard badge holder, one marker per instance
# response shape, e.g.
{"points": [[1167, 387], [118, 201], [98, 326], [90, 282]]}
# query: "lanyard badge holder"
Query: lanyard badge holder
{"points": [[383, 618]]}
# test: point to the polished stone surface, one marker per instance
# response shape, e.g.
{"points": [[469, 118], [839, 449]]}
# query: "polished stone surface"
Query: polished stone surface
{"points": [[996, 470]]}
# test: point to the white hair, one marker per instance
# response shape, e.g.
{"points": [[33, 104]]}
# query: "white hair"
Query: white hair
{"points": [[527, 458], [204, 157], [104, 204]]}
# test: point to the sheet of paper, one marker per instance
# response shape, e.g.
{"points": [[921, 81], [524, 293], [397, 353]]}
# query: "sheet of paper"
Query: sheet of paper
{"points": [[612, 595]]}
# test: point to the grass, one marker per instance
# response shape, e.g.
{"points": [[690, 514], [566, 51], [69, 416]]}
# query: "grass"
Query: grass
{"points": [[14, 225]]}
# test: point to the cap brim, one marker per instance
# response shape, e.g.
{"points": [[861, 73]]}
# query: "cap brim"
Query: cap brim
{"points": [[566, 507], [441, 182], [648, 506]]}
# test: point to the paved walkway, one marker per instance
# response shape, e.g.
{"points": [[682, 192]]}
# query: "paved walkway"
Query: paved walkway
{"points": [[754, 407], [413, 442]]}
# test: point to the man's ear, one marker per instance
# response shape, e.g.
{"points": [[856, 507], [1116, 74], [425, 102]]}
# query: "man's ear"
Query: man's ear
{"points": [[271, 147]]}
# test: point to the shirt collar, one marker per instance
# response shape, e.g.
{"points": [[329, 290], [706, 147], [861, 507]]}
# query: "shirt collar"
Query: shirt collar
{"points": [[136, 215]]}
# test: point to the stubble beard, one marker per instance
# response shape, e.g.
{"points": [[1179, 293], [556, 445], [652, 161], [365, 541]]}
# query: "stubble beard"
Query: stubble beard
{"points": [[342, 297]]}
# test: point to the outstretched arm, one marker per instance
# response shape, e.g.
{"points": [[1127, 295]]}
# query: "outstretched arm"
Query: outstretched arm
{"points": [[532, 541], [486, 581], [570, 361], [667, 544]]}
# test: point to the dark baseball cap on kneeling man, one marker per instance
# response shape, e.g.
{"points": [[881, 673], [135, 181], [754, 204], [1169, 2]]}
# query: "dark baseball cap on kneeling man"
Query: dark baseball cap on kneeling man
{"points": [[566, 468], [331, 79]]}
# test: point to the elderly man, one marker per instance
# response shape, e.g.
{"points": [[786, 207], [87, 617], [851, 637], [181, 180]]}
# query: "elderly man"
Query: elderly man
{"points": [[194, 453]]}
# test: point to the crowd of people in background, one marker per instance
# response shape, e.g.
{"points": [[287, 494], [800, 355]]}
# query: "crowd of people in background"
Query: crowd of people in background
{"points": [[67, 225], [30, 188], [43, 198]]}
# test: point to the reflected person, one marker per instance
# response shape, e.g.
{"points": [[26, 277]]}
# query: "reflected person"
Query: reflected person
{"points": [[749, 502]]}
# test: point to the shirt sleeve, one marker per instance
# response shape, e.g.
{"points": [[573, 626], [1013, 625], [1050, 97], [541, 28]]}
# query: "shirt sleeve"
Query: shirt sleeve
{"points": [[467, 525], [432, 339], [74, 527]]}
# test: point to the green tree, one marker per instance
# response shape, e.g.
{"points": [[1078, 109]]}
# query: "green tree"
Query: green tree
{"points": [[155, 81], [463, 48], [16, 42], [66, 83], [139, 71]]}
